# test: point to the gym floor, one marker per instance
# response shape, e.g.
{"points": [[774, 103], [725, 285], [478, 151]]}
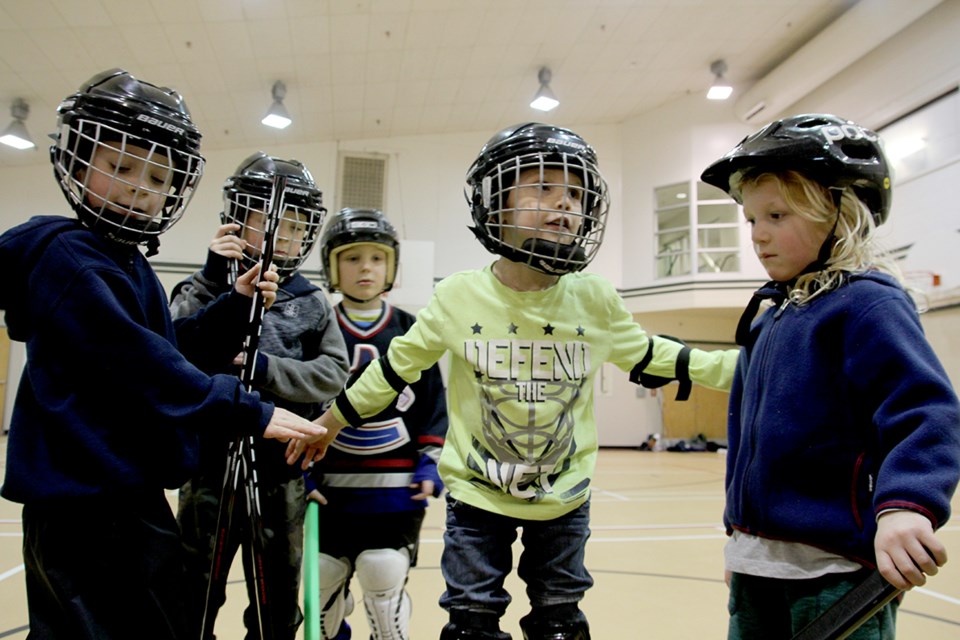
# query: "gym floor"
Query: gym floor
{"points": [[656, 555]]}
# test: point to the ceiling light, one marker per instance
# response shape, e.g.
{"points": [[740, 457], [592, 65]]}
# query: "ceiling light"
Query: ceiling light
{"points": [[278, 117], [16, 135], [545, 100], [720, 89]]}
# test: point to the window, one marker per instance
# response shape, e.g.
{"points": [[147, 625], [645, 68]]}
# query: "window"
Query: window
{"points": [[718, 231], [673, 230], [925, 139], [710, 240]]}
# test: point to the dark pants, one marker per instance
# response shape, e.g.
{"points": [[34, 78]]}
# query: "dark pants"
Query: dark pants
{"points": [[478, 555], [104, 569], [762, 608], [283, 506]]}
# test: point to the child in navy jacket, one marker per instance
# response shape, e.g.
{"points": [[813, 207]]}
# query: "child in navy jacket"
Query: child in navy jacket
{"points": [[108, 410], [844, 429]]}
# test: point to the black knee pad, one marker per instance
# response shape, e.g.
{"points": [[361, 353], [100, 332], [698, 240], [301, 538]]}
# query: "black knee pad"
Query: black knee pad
{"points": [[469, 625], [560, 622]]}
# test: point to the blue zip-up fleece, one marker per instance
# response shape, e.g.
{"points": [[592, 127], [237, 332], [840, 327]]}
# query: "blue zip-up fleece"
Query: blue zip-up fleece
{"points": [[106, 404], [840, 410]]}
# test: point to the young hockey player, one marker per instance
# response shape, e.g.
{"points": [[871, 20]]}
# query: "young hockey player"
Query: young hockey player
{"points": [[301, 364], [378, 474], [844, 454], [526, 337], [108, 410]]}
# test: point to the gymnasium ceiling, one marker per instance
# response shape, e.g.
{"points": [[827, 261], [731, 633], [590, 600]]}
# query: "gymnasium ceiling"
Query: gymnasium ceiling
{"points": [[357, 69]]}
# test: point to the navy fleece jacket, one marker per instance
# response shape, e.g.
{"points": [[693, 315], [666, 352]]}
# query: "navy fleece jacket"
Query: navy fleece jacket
{"points": [[106, 404], [840, 410]]}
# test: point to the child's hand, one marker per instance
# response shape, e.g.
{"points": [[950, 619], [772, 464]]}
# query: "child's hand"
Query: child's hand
{"points": [[226, 243], [313, 449], [425, 487], [907, 549], [316, 496], [268, 284], [287, 426]]}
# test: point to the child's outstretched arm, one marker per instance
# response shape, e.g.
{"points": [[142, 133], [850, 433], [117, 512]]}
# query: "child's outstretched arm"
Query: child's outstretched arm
{"points": [[907, 548], [285, 425], [314, 448]]}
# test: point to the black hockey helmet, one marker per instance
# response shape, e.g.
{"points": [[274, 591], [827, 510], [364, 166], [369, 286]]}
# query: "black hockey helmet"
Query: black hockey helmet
{"points": [[114, 110], [250, 189], [495, 172], [351, 227], [832, 151]]}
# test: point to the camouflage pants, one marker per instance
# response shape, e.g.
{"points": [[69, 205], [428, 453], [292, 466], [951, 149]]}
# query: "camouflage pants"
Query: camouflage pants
{"points": [[283, 506]]}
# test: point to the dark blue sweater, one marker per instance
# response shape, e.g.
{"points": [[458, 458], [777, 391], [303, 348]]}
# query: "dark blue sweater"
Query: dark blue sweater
{"points": [[107, 404], [840, 410]]}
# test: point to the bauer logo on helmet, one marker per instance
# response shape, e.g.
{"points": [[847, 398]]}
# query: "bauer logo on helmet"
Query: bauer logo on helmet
{"points": [[143, 117]]}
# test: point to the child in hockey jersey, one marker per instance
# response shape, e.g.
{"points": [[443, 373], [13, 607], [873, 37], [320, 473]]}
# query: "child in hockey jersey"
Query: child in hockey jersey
{"points": [[844, 429], [377, 476], [301, 363], [527, 336], [108, 410]]}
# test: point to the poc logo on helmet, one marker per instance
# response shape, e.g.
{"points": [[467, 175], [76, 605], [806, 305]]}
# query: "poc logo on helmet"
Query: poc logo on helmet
{"points": [[159, 123], [835, 133]]}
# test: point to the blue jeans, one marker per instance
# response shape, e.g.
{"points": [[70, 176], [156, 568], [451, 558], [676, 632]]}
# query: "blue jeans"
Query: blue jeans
{"points": [[477, 557]]}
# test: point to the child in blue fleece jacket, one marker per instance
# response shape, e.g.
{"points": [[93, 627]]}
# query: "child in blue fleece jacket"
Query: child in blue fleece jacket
{"points": [[108, 410], [844, 429]]}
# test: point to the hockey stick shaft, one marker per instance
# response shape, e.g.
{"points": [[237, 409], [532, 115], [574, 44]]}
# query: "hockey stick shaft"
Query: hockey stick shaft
{"points": [[241, 460], [257, 541], [311, 572], [849, 612]]}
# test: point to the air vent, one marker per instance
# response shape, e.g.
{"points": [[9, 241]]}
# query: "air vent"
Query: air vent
{"points": [[363, 181]]}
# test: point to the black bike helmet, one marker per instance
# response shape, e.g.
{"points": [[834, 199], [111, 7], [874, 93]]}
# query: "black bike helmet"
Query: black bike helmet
{"points": [[834, 152], [250, 190], [109, 114], [495, 172], [351, 227]]}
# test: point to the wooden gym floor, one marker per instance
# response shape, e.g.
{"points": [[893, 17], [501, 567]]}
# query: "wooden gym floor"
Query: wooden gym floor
{"points": [[656, 555]]}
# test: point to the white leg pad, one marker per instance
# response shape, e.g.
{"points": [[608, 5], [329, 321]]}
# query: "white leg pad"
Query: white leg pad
{"points": [[382, 573], [335, 600]]}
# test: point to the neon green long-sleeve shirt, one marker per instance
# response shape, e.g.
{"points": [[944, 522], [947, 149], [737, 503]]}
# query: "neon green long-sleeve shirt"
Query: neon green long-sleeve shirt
{"points": [[522, 440]]}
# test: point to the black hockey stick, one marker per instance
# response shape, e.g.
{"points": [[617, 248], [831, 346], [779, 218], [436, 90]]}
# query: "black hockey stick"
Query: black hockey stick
{"points": [[849, 612], [241, 461]]}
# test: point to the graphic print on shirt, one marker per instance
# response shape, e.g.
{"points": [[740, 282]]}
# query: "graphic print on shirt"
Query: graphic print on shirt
{"points": [[374, 437], [528, 389]]}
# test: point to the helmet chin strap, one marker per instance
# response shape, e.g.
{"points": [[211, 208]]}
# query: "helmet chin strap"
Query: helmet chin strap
{"points": [[827, 247], [358, 300], [554, 258]]}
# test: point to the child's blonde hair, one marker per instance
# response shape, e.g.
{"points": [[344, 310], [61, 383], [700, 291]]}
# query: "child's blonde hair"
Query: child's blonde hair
{"points": [[852, 227]]}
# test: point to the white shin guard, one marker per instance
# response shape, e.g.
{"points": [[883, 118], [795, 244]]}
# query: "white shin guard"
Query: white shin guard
{"points": [[335, 600], [382, 574]]}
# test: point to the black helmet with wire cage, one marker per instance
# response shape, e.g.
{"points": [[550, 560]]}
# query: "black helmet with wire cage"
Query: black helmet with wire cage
{"points": [[247, 198], [126, 154], [495, 173]]}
